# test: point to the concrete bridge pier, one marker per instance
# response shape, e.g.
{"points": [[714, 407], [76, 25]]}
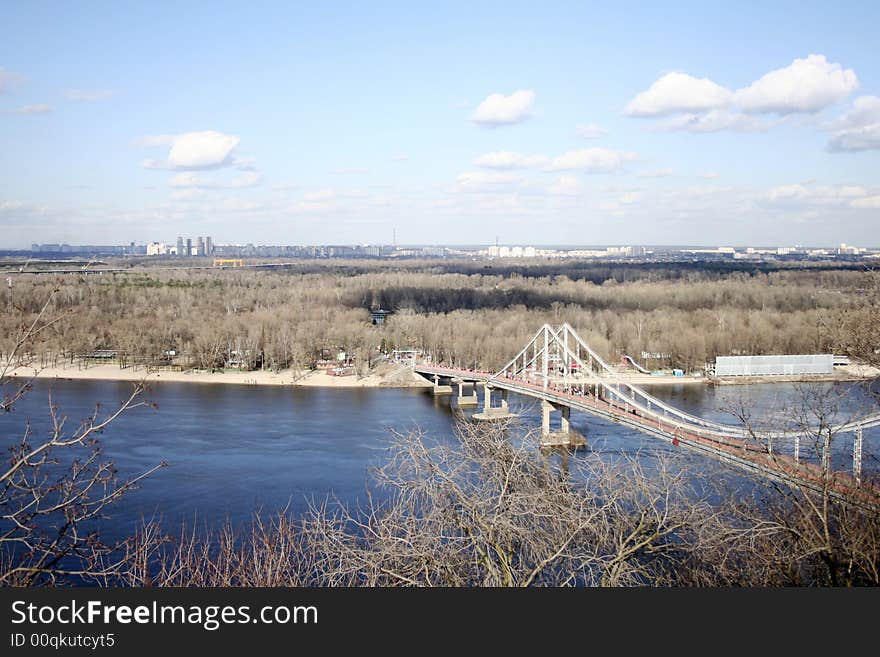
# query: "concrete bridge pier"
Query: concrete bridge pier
{"points": [[490, 412], [467, 400], [441, 390], [565, 437]]}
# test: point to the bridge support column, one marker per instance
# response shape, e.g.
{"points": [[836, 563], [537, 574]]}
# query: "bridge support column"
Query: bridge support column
{"points": [[467, 400], [490, 412], [565, 437], [546, 409], [441, 390]]}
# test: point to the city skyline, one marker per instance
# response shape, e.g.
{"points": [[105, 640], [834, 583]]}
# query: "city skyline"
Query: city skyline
{"points": [[446, 125]]}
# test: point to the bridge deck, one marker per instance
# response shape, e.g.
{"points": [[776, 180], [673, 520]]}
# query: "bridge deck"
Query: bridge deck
{"points": [[747, 455]]}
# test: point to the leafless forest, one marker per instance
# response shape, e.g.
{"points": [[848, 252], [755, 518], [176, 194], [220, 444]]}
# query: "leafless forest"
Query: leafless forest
{"points": [[466, 313], [478, 511]]}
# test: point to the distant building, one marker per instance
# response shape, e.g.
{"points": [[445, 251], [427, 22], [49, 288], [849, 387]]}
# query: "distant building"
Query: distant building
{"points": [[774, 365], [189, 246], [377, 317], [180, 250], [200, 246], [157, 249], [843, 249], [209, 246]]}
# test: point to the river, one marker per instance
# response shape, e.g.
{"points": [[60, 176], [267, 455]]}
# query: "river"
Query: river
{"points": [[233, 450]]}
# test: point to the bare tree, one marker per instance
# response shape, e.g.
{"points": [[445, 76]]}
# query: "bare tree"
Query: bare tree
{"points": [[823, 527], [54, 487]]}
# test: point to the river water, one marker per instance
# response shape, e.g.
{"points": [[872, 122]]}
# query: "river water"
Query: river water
{"points": [[233, 450]]}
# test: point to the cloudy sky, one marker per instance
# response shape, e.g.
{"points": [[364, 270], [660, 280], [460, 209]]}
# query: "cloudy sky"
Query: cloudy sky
{"points": [[536, 123]]}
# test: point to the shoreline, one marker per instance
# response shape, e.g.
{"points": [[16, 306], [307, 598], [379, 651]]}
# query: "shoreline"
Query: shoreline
{"points": [[384, 377]]}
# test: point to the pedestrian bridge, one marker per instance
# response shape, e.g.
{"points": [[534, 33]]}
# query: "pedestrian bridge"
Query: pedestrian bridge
{"points": [[560, 370]]}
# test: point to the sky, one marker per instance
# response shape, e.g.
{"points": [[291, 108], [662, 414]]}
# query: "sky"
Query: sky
{"points": [[450, 123]]}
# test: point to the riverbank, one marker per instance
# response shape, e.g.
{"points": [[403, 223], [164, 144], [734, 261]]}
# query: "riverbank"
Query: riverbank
{"points": [[389, 376]]}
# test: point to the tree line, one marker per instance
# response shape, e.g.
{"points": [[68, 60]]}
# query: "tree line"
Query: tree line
{"points": [[290, 318]]}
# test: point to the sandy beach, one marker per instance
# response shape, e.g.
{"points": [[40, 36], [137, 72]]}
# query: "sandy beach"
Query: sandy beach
{"points": [[387, 375], [397, 376]]}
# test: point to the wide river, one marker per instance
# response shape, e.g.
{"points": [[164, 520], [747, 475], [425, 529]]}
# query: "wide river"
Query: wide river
{"points": [[234, 450]]}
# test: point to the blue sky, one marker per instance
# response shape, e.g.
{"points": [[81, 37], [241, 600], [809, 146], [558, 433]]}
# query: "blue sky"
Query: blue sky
{"points": [[452, 123]]}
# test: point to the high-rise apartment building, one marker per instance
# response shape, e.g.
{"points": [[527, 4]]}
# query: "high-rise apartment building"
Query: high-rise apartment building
{"points": [[189, 246], [180, 251], [200, 246], [209, 246]]}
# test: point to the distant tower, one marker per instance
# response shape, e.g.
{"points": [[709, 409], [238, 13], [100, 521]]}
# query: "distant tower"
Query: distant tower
{"points": [[200, 246], [189, 246], [209, 246], [180, 246]]}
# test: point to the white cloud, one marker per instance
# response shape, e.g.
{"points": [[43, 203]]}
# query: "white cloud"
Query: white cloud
{"points": [[498, 109], [197, 181], [715, 120], [786, 192], [859, 128], [805, 86], [318, 200], [508, 160], [808, 194], [566, 186], [10, 206], [8, 79], [591, 160], [708, 175], [194, 150], [870, 202], [590, 131], [83, 96], [31, 109], [858, 139], [320, 195], [865, 111], [629, 198], [239, 205], [245, 163], [679, 92], [476, 180], [187, 194], [658, 173]]}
